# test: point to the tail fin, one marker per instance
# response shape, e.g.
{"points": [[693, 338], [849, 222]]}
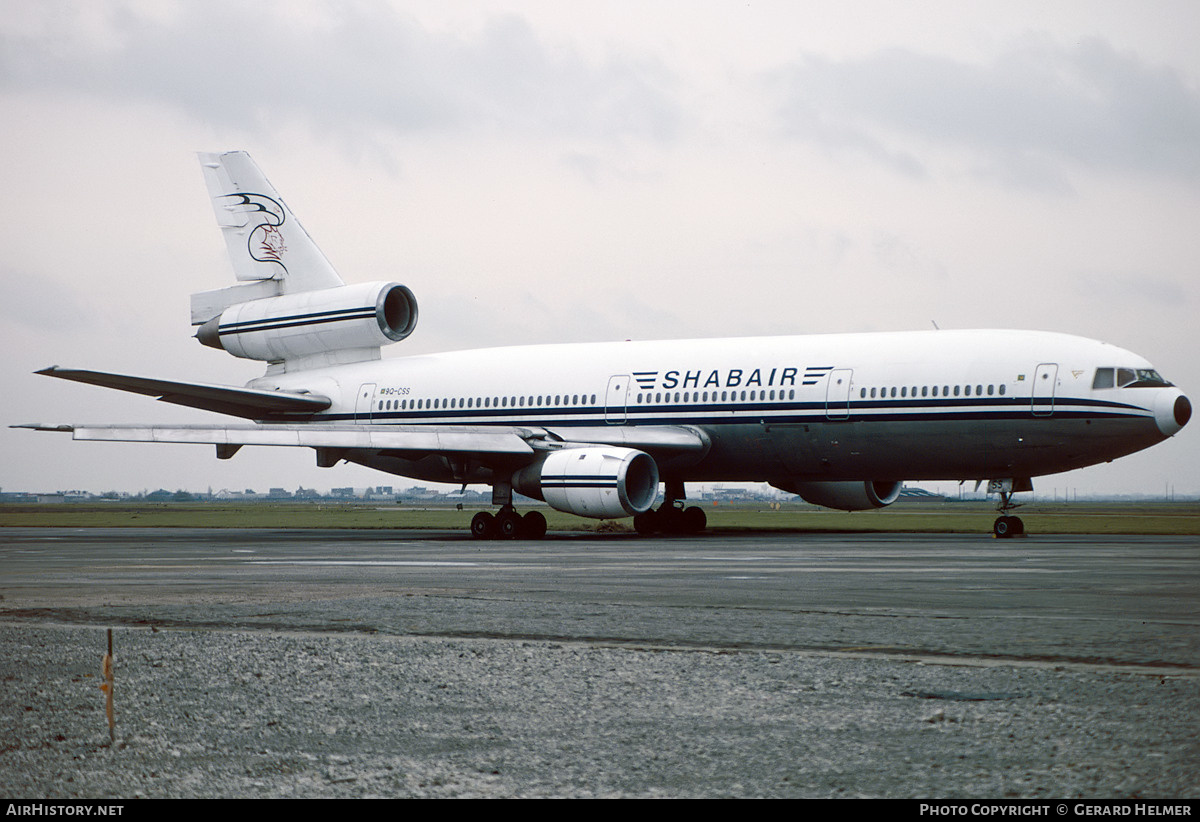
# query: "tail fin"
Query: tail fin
{"points": [[290, 309], [271, 252]]}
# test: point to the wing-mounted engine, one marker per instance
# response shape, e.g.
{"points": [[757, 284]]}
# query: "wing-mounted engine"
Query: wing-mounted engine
{"points": [[595, 481], [354, 320], [844, 496]]}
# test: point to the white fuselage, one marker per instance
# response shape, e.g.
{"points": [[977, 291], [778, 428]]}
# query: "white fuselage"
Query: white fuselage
{"points": [[593, 429], [881, 406]]}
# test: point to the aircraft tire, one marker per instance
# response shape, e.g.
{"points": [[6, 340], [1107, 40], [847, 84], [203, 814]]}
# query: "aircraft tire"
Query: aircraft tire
{"points": [[533, 525], [483, 526], [508, 524], [1006, 527], [670, 519], [646, 524], [694, 520]]}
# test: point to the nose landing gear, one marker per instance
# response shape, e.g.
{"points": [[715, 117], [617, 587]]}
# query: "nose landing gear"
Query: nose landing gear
{"points": [[1007, 526]]}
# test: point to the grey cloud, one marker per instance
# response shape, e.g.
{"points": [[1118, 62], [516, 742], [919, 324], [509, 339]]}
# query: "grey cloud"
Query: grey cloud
{"points": [[1133, 291], [364, 66], [24, 304], [1025, 116]]}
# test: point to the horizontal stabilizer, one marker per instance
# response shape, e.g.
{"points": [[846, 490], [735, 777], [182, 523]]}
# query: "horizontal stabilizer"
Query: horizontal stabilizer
{"points": [[250, 403]]}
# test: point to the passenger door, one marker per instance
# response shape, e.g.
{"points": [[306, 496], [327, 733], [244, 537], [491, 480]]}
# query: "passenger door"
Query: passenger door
{"points": [[1044, 379], [365, 402], [837, 394], [616, 399]]}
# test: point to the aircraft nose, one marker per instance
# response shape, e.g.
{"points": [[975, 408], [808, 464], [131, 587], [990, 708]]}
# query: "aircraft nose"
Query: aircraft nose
{"points": [[1172, 412]]}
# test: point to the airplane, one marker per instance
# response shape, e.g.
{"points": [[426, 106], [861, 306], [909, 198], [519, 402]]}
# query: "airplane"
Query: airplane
{"points": [[842, 420]]}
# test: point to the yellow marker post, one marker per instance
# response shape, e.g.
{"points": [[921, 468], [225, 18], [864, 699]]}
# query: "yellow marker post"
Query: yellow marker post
{"points": [[107, 687]]}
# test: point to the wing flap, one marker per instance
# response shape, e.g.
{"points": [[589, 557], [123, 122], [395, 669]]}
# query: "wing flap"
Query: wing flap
{"points": [[673, 439]]}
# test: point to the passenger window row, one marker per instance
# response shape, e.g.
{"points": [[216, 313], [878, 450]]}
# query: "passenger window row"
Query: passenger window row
{"points": [[932, 391], [542, 402], [752, 395]]}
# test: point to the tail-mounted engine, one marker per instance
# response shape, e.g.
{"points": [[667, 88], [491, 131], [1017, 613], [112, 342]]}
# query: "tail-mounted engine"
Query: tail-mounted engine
{"points": [[844, 496], [597, 482], [292, 326]]}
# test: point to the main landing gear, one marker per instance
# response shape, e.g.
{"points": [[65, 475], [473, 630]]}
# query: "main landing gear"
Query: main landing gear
{"points": [[671, 517], [508, 524]]}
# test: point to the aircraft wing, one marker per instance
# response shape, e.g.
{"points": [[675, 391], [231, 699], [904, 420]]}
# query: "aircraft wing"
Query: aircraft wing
{"points": [[508, 441], [445, 439], [224, 399]]}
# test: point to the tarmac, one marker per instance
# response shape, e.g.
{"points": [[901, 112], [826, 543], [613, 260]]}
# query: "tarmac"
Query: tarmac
{"points": [[255, 663]]}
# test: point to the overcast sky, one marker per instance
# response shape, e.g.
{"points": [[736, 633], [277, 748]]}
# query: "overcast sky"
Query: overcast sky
{"points": [[552, 172]]}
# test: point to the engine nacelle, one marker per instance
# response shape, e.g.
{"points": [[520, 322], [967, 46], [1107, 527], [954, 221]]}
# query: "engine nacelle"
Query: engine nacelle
{"points": [[845, 496], [596, 481], [367, 315]]}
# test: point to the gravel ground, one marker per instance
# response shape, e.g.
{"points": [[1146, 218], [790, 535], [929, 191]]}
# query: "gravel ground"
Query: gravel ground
{"points": [[235, 713]]}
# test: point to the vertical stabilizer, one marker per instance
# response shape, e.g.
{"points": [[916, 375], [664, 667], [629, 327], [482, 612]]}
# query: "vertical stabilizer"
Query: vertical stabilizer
{"points": [[265, 240], [290, 308]]}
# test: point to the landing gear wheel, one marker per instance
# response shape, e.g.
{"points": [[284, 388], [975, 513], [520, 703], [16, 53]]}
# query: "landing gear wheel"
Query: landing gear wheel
{"points": [[670, 520], [508, 523], [1006, 527], [646, 523], [483, 526], [533, 525]]}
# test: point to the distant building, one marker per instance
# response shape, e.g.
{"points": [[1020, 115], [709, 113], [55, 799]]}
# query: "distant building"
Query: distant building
{"points": [[913, 493]]}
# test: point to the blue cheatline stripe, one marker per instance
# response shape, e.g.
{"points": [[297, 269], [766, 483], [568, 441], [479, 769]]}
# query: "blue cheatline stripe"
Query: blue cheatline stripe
{"points": [[319, 318], [549, 485], [553, 483], [924, 410]]}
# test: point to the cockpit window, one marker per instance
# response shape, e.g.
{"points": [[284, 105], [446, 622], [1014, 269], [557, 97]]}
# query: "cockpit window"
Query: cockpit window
{"points": [[1128, 378], [1144, 378]]}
